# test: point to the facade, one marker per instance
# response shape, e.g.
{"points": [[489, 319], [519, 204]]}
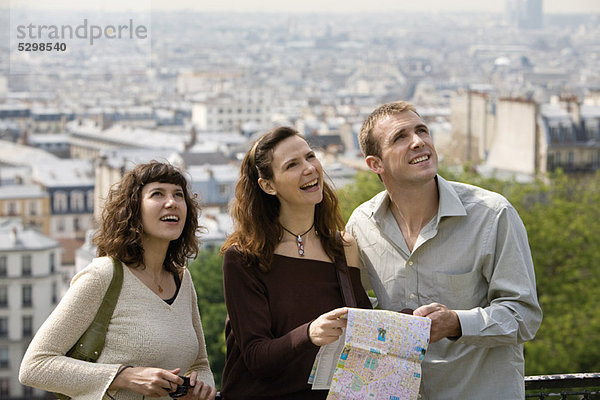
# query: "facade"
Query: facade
{"points": [[30, 287], [226, 114], [70, 188], [28, 203], [214, 184], [521, 138], [517, 146], [571, 133], [473, 123]]}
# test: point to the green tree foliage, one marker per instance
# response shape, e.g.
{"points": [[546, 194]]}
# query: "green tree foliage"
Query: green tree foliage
{"points": [[561, 217], [364, 186], [207, 274]]}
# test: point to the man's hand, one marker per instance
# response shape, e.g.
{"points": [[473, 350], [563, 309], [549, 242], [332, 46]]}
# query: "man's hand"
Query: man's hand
{"points": [[444, 322]]}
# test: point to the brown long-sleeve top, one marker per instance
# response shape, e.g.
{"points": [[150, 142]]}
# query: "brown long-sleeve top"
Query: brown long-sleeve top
{"points": [[269, 353]]}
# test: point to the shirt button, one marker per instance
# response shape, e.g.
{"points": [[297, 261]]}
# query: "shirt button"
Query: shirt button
{"points": [[412, 296], [410, 263]]}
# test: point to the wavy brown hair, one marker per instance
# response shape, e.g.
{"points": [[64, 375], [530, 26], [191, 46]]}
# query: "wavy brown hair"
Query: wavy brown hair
{"points": [[120, 232], [255, 213]]}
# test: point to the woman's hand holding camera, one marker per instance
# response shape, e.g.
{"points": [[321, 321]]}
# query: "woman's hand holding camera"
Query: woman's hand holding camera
{"points": [[157, 382], [198, 390], [151, 382]]}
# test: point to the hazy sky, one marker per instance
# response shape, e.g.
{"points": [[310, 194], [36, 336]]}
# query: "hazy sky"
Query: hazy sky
{"points": [[550, 6]]}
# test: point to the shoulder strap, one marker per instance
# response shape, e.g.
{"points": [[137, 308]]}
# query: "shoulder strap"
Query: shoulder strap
{"points": [[344, 278], [91, 343]]}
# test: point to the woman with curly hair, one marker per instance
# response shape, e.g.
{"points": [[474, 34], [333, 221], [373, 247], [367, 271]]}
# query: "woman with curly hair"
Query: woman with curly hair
{"points": [[280, 275], [149, 224]]}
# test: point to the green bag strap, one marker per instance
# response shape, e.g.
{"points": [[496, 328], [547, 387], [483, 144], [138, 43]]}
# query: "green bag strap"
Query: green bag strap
{"points": [[91, 343]]}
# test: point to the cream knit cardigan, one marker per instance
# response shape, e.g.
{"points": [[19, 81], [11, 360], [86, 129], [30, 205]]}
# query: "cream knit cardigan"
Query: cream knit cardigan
{"points": [[143, 331]]}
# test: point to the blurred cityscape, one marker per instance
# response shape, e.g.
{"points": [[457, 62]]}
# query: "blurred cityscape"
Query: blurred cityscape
{"points": [[514, 94]]}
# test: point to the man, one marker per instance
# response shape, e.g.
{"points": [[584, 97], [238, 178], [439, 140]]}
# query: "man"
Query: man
{"points": [[454, 253]]}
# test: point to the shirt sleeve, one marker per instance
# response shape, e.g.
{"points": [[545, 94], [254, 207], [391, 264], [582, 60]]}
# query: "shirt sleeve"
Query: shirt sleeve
{"points": [[514, 314], [247, 305], [45, 365], [201, 365]]}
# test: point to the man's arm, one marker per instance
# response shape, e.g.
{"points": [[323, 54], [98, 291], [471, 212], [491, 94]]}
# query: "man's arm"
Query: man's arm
{"points": [[513, 315]]}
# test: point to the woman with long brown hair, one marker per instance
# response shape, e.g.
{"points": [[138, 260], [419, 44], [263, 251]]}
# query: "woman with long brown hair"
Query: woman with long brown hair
{"points": [[150, 223], [280, 271]]}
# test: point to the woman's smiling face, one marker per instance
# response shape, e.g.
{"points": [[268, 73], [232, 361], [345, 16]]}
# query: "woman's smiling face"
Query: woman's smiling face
{"points": [[297, 173]]}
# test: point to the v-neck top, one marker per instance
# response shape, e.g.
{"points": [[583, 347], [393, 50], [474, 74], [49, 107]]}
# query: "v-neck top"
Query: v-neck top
{"points": [[269, 352], [144, 331], [177, 286]]}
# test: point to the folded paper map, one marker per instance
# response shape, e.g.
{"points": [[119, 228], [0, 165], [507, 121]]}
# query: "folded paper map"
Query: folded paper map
{"points": [[378, 357]]}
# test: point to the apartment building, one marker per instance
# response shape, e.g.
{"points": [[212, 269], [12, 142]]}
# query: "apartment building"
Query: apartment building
{"points": [[28, 203], [30, 286]]}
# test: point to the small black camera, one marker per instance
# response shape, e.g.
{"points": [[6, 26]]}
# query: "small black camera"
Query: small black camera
{"points": [[181, 389]]}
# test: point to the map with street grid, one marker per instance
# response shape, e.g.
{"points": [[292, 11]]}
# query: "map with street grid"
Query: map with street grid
{"points": [[381, 357]]}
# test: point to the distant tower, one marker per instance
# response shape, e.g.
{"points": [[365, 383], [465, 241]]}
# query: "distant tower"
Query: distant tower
{"points": [[525, 14]]}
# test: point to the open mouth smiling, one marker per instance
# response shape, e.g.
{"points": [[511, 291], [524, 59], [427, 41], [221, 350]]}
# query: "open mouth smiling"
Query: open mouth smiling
{"points": [[310, 184], [170, 218], [420, 159]]}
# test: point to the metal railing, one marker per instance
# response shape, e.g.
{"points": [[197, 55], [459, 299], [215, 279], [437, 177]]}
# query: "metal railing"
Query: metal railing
{"points": [[563, 386]]}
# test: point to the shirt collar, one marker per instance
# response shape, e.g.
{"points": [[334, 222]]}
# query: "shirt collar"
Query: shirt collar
{"points": [[450, 204]]}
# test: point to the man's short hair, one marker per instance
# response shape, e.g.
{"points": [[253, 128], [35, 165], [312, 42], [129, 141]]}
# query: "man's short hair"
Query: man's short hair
{"points": [[370, 145]]}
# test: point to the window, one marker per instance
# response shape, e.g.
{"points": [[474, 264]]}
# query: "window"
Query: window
{"points": [[27, 326], [3, 269], [54, 293], [60, 225], [77, 201], [3, 327], [4, 388], [3, 296], [224, 189], [33, 208], [60, 201], [27, 301], [26, 265], [51, 262], [12, 208], [76, 225], [3, 357]]}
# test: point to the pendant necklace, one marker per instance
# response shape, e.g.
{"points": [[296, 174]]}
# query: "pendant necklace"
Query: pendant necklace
{"points": [[160, 289], [299, 238]]}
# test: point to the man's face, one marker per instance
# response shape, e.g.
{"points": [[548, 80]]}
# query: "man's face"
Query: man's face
{"points": [[408, 156]]}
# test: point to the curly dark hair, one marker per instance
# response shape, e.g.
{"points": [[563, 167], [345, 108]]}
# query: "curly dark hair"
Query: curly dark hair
{"points": [[120, 232], [255, 213]]}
